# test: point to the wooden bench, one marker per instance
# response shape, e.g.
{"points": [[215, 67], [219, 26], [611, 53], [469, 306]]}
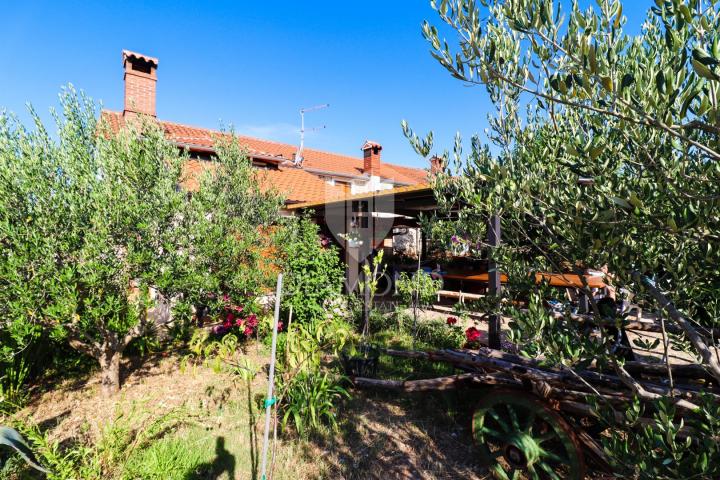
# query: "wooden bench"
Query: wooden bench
{"points": [[462, 296]]}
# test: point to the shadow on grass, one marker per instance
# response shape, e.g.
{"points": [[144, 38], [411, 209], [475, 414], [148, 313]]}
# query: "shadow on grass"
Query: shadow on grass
{"points": [[389, 436], [224, 462]]}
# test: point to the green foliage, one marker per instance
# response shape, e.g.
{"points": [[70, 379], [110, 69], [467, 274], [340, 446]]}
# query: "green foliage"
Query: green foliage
{"points": [[219, 257], [671, 449], [310, 399], [168, 458], [13, 392], [218, 354], [9, 437], [82, 219], [79, 461], [313, 272], [91, 220], [419, 289], [637, 115], [307, 392], [605, 153]]}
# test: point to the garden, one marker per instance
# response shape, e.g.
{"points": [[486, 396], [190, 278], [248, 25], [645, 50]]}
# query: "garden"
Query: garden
{"points": [[151, 330]]}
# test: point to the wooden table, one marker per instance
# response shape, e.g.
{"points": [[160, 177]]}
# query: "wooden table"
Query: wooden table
{"points": [[473, 277], [567, 280], [570, 280]]}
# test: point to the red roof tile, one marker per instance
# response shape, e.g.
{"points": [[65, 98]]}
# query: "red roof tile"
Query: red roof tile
{"points": [[294, 183]]}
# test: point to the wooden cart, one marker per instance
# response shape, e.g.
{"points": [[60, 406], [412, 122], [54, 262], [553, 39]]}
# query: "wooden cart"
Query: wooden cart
{"points": [[535, 422]]}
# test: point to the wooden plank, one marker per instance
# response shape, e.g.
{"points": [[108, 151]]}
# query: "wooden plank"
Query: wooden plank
{"points": [[569, 280]]}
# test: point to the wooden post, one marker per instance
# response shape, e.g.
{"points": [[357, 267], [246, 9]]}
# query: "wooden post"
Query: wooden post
{"points": [[583, 303], [495, 287], [366, 300]]}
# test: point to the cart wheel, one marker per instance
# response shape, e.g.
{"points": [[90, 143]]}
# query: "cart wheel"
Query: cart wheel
{"points": [[519, 437]]}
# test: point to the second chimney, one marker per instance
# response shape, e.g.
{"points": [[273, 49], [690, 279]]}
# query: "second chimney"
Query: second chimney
{"points": [[437, 165], [140, 84], [371, 157]]}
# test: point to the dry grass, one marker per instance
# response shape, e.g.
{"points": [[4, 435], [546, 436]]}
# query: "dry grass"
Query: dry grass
{"points": [[380, 436]]}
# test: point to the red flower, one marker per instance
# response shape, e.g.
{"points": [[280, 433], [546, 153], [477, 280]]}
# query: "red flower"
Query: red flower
{"points": [[472, 334], [239, 321], [227, 324], [451, 320], [251, 320], [280, 326], [248, 331], [230, 317]]}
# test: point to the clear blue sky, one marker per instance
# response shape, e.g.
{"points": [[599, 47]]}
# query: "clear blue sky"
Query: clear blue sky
{"points": [[252, 65]]}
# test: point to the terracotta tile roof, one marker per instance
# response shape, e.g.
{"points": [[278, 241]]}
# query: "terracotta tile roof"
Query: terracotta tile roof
{"points": [[420, 187], [146, 58], [295, 184]]}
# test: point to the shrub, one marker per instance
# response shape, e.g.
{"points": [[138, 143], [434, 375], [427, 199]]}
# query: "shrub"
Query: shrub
{"points": [[95, 214], [309, 401], [420, 289], [313, 271]]}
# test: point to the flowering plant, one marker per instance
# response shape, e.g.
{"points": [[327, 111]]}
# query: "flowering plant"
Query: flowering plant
{"points": [[233, 320], [473, 335], [451, 321]]}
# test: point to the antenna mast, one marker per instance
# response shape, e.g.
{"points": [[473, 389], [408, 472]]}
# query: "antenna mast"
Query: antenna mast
{"points": [[299, 154]]}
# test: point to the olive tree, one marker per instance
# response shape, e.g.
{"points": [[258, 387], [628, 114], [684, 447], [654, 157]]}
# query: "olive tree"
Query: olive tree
{"points": [[92, 220], [606, 152]]}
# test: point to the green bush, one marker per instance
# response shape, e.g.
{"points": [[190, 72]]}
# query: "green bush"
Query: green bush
{"points": [[309, 401], [420, 289], [313, 271]]}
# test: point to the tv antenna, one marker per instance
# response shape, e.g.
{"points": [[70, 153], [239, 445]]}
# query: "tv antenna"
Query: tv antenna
{"points": [[299, 154]]}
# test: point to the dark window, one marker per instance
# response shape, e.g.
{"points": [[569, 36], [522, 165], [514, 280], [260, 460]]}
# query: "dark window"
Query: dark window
{"points": [[359, 206]]}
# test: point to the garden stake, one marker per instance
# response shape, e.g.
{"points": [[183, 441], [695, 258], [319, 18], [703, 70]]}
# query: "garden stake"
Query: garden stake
{"points": [[270, 400]]}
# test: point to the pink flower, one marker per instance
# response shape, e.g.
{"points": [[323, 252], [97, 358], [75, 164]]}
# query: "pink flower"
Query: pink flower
{"points": [[280, 326], [472, 334], [237, 308], [230, 317], [239, 321], [226, 298], [251, 320], [248, 331], [227, 324], [451, 320]]}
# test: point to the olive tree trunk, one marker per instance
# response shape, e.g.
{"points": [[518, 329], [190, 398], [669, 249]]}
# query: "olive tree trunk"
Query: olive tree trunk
{"points": [[109, 360], [108, 354]]}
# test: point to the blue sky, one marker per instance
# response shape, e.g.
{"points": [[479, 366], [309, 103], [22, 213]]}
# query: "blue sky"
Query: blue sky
{"points": [[253, 65]]}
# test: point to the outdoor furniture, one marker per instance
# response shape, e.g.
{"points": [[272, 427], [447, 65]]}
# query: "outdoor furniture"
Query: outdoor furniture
{"points": [[570, 280], [473, 277], [460, 295]]}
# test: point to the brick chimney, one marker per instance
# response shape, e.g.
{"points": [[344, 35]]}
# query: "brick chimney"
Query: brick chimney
{"points": [[437, 165], [371, 157], [140, 83]]}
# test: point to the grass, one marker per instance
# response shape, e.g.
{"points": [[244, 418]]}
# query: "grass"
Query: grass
{"points": [[175, 420]]}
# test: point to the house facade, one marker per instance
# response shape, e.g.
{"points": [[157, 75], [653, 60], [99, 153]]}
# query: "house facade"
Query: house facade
{"points": [[317, 176]]}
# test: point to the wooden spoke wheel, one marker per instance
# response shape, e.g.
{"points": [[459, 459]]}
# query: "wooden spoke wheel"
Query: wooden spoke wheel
{"points": [[519, 437]]}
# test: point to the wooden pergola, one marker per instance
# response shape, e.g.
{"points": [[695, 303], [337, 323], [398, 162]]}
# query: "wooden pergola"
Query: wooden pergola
{"points": [[360, 223]]}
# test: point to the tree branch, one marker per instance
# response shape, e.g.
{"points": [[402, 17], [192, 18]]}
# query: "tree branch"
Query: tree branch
{"points": [[709, 359], [638, 389]]}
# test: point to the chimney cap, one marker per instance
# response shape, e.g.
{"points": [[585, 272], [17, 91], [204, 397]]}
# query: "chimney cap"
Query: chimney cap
{"points": [[371, 144], [128, 55]]}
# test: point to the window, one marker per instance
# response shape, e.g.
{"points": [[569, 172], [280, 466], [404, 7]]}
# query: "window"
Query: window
{"points": [[359, 206]]}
